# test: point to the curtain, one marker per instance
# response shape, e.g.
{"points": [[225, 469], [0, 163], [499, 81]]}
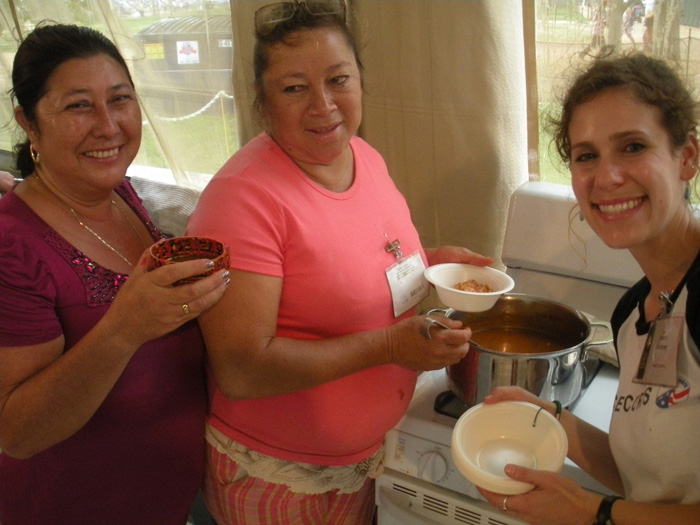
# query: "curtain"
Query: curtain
{"points": [[446, 105], [187, 99], [242, 13]]}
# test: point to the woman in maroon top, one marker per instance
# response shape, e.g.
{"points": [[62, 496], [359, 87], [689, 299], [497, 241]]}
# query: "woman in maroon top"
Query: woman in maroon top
{"points": [[102, 394]]}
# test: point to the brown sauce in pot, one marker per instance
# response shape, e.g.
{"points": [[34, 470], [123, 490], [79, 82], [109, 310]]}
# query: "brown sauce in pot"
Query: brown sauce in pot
{"points": [[517, 341]]}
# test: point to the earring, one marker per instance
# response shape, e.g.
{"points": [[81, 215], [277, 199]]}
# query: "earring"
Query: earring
{"points": [[580, 216], [686, 194], [35, 156]]}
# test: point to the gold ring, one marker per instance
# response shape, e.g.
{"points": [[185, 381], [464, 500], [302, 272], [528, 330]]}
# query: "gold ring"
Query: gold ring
{"points": [[186, 308], [504, 507]]}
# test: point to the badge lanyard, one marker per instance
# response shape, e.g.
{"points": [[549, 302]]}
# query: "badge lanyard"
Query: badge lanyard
{"points": [[407, 283], [658, 363]]}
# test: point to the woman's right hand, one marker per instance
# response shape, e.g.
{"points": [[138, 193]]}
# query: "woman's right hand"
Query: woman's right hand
{"points": [[148, 306], [408, 346]]}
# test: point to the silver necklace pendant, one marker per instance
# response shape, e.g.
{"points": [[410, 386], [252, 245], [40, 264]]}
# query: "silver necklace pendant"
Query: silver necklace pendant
{"points": [[666, 303]]}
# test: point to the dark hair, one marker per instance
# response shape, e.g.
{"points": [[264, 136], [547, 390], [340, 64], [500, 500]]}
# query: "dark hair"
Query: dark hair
{"points": [[650, 80], [40, 53], [301, 20]]}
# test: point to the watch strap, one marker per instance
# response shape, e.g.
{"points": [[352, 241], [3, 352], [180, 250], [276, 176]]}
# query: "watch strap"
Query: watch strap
{"points": [[604, 516]]}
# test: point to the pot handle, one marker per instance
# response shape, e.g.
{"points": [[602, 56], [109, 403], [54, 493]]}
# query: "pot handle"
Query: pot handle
{"points": [[599, 342]]}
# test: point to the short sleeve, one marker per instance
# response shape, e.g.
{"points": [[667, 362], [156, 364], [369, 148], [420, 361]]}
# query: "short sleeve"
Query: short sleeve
{"points": [[251, 224], [27, 288]]}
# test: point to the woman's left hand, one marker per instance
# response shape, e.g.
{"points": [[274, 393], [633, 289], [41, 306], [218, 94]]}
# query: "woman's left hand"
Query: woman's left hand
{"points": [[554, 500], [456, 254]]}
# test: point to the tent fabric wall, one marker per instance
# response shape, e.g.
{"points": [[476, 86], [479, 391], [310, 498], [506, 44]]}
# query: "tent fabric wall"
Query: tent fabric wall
{"points": [[242, 14]]}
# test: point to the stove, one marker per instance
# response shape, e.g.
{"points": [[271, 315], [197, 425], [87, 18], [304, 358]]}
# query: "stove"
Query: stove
{"points": [[421, 483]]}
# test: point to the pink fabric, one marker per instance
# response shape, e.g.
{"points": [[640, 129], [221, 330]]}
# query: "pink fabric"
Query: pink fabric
{"points": [[140, 458], [252, 501], [330, 250]]}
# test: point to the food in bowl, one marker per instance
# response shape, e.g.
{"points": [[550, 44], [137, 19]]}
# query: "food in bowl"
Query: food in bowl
{"points": [[445, 276], [472, 285], [486, 438]]}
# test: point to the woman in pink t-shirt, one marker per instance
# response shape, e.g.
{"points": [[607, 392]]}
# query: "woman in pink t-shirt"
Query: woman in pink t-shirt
{"points": [[315, 347]]}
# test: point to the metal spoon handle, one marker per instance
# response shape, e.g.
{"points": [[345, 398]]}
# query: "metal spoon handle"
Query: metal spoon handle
{"points": [[428, 323]]}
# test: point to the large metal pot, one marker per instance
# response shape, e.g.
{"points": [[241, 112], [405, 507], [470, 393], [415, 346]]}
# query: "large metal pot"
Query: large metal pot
{"points": [[524, 340]]}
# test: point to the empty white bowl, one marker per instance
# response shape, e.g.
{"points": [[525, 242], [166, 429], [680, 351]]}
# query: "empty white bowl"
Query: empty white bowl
{"points": [[445, 276], [488, 437]]}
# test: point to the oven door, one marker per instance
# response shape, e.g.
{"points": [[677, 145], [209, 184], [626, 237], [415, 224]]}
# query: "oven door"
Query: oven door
{"points": [[404, 500]]}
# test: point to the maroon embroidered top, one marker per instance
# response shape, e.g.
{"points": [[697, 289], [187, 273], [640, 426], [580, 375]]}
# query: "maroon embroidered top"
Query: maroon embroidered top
{"points": [[139, 460]]}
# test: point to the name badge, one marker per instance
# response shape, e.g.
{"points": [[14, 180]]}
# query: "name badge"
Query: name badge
{"points": [[658, 364], [407, 283]]}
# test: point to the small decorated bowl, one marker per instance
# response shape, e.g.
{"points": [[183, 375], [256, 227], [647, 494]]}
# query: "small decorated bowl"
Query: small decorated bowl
{"points": [[180, 249]]}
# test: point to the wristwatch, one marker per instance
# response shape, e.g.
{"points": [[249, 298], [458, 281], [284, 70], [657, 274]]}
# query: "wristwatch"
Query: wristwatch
{"points": [[605, 510]]}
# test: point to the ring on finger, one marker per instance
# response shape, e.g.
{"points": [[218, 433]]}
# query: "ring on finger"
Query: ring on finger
{"points": [[186, 308], [504, 507]]}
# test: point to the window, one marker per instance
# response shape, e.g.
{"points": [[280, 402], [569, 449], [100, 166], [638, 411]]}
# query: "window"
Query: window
{"points": [[568, 32], [180, 55]]}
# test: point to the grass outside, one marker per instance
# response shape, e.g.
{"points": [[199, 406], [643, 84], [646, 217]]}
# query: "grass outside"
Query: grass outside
{"points": [[201, 144]]}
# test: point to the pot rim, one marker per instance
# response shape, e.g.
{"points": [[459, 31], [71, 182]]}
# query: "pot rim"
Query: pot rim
{"points": [[473, 345], [581, 347]]}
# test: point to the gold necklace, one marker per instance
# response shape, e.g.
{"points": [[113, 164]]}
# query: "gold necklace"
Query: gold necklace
{"points": [[93, 232]]}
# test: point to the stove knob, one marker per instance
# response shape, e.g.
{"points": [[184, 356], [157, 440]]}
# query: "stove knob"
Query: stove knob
{"points": [[432, 466]]}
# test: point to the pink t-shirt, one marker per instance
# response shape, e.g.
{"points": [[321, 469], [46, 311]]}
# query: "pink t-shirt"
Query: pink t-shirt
{"points": [[330, 250]]}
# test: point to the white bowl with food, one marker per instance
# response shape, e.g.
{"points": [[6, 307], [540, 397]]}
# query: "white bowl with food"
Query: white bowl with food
{"points": [[466, 287], [488, 437]]}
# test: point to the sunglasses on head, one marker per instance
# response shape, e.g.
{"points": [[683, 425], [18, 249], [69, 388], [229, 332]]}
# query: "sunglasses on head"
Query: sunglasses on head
{"points": [[267, 17]]}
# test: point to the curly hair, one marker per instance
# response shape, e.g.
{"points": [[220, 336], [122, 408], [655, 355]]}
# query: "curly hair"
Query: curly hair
{"points": [[650, 80]]}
